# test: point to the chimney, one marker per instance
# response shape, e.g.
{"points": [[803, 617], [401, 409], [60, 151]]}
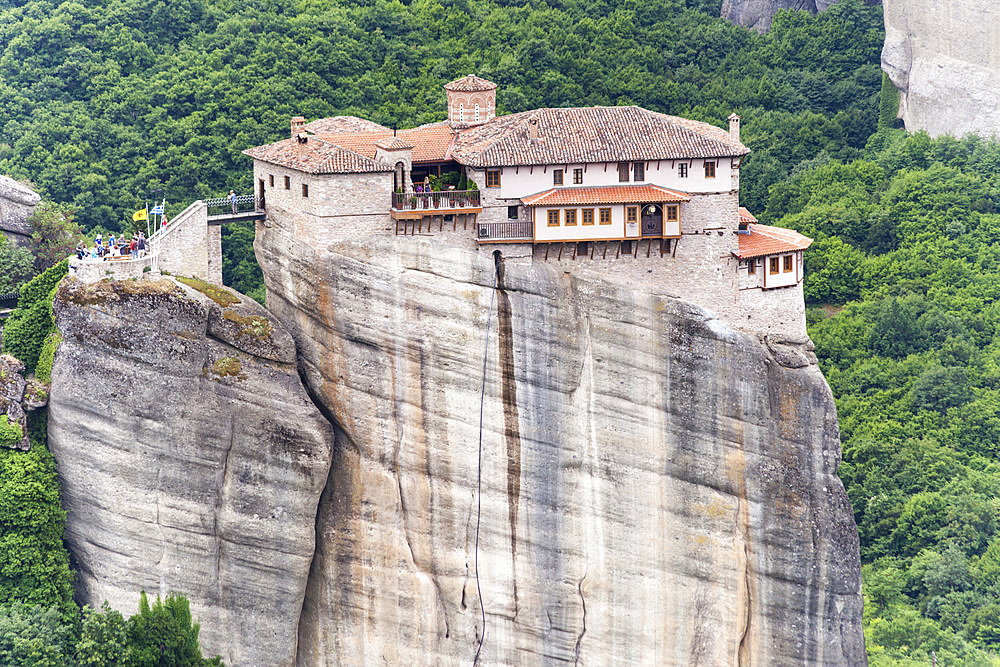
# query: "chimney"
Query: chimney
{"points": [[298, 125], [734, 127], [301, 139], [532, 128]]}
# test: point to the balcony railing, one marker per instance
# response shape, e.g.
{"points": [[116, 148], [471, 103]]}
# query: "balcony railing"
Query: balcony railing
{"points": [[430, 201], [505, 231]]}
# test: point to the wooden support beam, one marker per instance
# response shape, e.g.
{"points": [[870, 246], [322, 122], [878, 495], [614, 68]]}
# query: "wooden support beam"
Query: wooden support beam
{"points": [[547, 251], [605, 250], [560, 251], [593, 247], [618, 252]]}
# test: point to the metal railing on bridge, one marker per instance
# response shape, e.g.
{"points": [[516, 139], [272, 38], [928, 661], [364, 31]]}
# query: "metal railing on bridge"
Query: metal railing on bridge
{"points": [[224, 206], [9, 300]]}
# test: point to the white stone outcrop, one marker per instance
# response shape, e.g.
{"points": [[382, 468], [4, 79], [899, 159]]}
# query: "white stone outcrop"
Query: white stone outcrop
{"points": [[945, 59], [657, 488], [17, 203], [190, 457]]}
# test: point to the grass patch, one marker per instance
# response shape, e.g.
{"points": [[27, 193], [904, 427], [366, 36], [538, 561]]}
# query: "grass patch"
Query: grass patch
{"points": [[220, 295], [250, 325], [10, 434], [44, 369], [103, 291], [227, 367]]}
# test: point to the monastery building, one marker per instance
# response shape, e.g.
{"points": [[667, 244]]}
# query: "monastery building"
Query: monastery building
{"points": [[615, 190]]}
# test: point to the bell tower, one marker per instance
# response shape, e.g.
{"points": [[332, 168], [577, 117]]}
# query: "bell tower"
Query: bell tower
{"points": [[471, 101]]}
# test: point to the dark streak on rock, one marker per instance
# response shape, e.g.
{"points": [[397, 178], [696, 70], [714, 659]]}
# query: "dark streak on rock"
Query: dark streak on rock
{"points": [[511, 428]]}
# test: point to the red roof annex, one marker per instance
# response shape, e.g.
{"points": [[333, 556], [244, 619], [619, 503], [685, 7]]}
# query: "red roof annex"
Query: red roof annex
{"points": [[766, 240], [609, 194]]}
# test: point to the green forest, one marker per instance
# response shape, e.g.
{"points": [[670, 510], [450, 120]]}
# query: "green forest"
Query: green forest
{"points": [[104, 104]]}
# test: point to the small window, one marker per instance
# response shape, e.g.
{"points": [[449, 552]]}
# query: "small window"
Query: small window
{"points": [[305, 189], [588, 216], [477, 112], [270, 180], [788, 263], [512, 213], [461, 112], [605, 216], [631, 214], [578, 177], [554, 218], [623, 172], [571, 217], [557, 177], [493, 178], [709, 170], [751, 266], [671, 213], [639, 172], [682, 170], [773, 266]]}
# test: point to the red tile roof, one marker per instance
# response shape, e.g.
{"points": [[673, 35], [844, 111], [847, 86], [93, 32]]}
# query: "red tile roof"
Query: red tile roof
{"points": [[766, 240], [431, 143], [470, 84], [343, 124], [746, 216], [315, 157], [564, 136], [609, 194], [591, 134], [392, 144]]}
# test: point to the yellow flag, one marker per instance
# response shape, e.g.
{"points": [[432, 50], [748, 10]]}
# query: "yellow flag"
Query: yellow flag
{"points": [[138, 216]]}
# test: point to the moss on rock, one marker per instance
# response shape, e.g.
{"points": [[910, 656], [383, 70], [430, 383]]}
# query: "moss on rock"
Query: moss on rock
{"points": [[218, 294]]}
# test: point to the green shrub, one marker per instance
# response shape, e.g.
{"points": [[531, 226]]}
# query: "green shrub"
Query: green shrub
{"points": [[31, 322], [10, 434], [43, 371], [164, 634]]}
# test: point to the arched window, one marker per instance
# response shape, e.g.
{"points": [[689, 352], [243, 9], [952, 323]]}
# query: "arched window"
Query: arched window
{"points": [[461, 112], [477, 112]]}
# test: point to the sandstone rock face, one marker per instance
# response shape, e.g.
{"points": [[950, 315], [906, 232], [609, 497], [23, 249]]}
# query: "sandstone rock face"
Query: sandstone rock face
{"points": [[757, 14], [945, 59], [656, 488], [17, 203], [191, 459]]}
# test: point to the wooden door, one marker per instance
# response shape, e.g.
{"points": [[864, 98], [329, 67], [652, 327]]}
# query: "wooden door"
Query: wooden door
{"points": [[652, 220]]}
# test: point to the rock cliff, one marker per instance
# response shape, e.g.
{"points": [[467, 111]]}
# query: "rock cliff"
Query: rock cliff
{"points": [[757, 14], [17, 203], [945, 59], [656, 488], [649, 486], [191, 458]]}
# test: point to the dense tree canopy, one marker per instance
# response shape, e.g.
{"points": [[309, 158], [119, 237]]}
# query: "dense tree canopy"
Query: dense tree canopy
{"points": [[101, 103]]}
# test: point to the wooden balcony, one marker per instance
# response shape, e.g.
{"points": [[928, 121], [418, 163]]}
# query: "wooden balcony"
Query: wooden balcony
{"points": [[414, 205], [505, 232]]}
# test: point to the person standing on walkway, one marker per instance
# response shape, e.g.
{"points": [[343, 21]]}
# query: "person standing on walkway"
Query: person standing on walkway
{"points": [[232, 200]]}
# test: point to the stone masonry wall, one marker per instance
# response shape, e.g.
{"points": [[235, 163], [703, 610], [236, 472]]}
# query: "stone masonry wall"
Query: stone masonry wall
{"points": [[779, 312], [339, 206], [214, 248], [184, 246]]}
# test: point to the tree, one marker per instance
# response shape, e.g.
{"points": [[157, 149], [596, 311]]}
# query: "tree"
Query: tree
{"points": [[17, 266], [34, 637], [104, 639], [54, 234], [164, 635], [31, 322]]}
